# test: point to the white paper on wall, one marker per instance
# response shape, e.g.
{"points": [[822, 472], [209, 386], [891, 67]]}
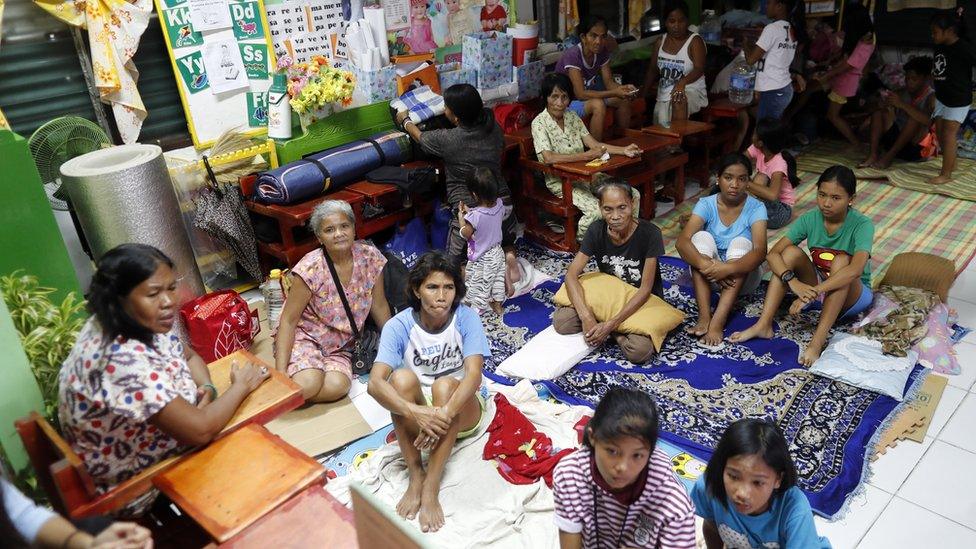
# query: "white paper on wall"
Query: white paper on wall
{"points": [[224, 65], [209, 15]]}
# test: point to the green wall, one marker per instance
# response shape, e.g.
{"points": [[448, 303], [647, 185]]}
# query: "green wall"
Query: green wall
{"points": [[30, 239], [19, 393]]}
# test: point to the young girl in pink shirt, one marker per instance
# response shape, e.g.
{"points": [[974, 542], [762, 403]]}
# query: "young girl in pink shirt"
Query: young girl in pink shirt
{"points": [[775, 171]]}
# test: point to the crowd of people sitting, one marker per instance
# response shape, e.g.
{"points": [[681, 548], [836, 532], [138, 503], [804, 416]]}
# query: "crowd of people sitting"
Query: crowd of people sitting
{"points": [[131, 394]]}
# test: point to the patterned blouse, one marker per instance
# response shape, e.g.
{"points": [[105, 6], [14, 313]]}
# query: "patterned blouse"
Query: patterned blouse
{"points": [[548, 136], [109, 390], [324, 320]]}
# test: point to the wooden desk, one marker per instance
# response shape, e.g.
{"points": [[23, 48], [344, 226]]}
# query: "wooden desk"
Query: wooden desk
{"points": [[313, 519], [238, 479], [580, 169], [276, 396], [721, 107]]}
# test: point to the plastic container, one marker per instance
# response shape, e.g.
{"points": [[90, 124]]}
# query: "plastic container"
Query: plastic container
{"points": [[742, 82], [711, 28], [274, 296], [279, 109]]}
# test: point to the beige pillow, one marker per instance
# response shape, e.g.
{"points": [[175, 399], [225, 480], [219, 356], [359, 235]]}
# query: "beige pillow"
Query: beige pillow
{"points": [[606, 296]]}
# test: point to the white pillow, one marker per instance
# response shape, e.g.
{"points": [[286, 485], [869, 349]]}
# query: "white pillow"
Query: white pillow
{"points": [[548, 355], [859, 361]]}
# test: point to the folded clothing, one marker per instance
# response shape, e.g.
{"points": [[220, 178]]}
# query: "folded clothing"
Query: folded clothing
{"points": [[331, 169], [524, 454], [422, 103], [901, 328]]}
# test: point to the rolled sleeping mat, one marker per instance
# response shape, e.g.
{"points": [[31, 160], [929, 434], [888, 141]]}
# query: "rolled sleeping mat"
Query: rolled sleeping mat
{"points": [[124, 194], [331, 169]]}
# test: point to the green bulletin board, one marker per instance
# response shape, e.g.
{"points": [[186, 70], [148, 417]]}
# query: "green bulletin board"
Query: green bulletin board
{"points": [[209, 114]]}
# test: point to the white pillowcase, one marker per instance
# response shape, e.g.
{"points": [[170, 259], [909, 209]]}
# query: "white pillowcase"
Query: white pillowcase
{"points": [[548, 355], [859, 361]]}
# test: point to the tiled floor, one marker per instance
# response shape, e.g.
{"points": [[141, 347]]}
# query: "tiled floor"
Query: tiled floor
{"points": [[924, 495]]}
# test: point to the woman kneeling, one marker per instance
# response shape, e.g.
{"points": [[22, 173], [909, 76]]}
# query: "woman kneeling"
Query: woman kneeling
{"points": [[839, 239], [314, 336], [724, 243], [428, 375], [624, 247]]}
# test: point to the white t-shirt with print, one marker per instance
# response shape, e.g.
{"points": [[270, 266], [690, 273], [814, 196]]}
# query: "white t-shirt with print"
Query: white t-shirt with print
{"points": [[405, 343], [773, 70]]}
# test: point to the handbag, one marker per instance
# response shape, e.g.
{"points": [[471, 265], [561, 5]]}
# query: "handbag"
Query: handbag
{"points": [[219, 323], [367, 340]]}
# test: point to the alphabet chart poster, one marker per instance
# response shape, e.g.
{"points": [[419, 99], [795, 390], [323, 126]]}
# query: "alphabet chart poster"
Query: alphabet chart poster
{"points": [[223, 72], [306, 28]]}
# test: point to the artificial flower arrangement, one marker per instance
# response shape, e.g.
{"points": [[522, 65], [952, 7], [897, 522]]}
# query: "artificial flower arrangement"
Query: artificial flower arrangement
{"points": [[314, 85]]}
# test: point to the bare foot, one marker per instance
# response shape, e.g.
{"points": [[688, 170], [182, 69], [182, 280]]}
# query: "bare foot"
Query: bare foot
{"points": [[410, 502], [712, 337], [812, 352], [431, 514], [497, 307], [882, 164], [939, 180], [868, 162], [754, 331], [699, 329]]}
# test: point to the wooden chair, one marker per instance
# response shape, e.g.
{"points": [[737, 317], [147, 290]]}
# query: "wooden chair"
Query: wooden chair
{"points": [[534, 196], [63, 475]]}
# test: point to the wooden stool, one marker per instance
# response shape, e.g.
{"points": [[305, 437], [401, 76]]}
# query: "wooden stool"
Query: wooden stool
{"points": [[235, 481]]}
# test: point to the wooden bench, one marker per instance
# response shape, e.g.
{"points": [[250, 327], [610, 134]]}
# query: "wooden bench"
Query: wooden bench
{"points": [[296, 240]]}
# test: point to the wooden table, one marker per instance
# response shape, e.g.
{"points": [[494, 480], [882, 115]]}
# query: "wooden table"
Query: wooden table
{"points": [[238, 479], [647, 143], [680, 128], [276, 396], [312, 519]]}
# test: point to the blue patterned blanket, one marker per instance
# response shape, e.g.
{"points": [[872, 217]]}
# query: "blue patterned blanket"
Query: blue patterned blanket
{"points": [[831, 426]]}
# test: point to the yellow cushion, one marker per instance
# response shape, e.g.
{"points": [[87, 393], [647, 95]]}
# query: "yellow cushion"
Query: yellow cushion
{"points": [[606, 296]]}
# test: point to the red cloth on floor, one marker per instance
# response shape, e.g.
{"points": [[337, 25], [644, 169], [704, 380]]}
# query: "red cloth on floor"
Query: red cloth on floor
{"points": [[523, 454]]}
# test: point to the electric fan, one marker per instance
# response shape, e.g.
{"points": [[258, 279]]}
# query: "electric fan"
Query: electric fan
{"points": [[58, 141]]}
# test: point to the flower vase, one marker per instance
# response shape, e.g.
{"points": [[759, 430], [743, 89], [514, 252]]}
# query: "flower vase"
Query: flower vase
{"points": [[310, 117]]}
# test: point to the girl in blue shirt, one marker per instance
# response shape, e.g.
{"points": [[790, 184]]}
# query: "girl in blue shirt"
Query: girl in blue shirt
{"points": [[724, 243], [748, 495]]}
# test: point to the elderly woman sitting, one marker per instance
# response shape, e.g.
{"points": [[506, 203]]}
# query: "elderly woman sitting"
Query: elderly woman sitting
{"points": [[130, 395], [559, 135], [314, 339]]}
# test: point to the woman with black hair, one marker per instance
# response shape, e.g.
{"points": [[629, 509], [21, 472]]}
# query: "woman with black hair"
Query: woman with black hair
{"points": [[559, 135], [618, 490], [677, 68], [428, 375], [25, 524], [476, 141], [748, 494], [130, 394], [588, 67], [840, 239]]}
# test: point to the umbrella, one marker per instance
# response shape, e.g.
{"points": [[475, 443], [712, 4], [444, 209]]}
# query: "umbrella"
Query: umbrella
{"points": [[222, 215]]}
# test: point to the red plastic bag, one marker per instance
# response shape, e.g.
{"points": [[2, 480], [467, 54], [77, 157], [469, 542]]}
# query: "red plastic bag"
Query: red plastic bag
{"points": [[512, 116], [219, 323]]}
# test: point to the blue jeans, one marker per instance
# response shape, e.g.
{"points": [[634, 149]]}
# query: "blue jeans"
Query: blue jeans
{"points": [[772, 103]]}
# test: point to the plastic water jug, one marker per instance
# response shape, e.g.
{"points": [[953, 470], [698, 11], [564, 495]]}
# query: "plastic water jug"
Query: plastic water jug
{"points": [[711, 28], [742, 81]]}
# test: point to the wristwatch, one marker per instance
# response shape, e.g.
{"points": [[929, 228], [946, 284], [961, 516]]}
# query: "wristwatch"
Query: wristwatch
{"points": [[787, 276]]}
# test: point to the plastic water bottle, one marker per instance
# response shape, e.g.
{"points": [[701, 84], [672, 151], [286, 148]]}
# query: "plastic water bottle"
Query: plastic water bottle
{"points": [[742, 81], [711, 28], [274, 296]]}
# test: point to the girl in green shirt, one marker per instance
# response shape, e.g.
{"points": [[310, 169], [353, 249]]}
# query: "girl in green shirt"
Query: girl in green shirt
{"points": [[839, 239]]}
